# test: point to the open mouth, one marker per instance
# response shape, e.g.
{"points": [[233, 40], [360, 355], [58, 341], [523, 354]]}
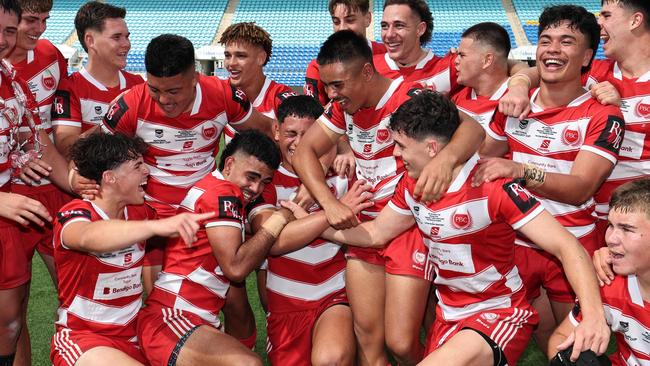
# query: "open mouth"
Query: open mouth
{"points": [[142, 186], [554, 63]]}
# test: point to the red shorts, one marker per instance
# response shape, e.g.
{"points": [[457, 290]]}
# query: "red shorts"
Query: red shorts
{"points": [[14, 265], [407, 255], [68, 346], [155, 249], [369, 255], [509, 328], [290, 333], [538, 268], [37, 238], [162, 329]]}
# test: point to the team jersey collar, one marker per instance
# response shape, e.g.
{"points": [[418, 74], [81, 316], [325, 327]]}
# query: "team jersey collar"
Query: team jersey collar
{"points": [[497, 94], [574, 103], [389, 92], [30, 57], [463, 175], [84, 72], [262, 95], [284, 171], [198, 99], [103, 214], [395, 67], [634, 290], [618, 74], [217, 174]]}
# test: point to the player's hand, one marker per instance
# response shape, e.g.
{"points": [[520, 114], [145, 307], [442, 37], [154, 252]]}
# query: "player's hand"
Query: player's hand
{"points": [[603, 264], [184, 225], [339, 216], [606, 93], [84, 187], [304, 198], [357, 198], [23, 210], [490, 169], [434, 180], [592, 334], [515, 103], [344, 165], [298, 211], [35, 170]]}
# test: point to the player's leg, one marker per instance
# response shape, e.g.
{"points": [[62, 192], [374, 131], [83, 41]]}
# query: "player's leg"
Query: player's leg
{"points": [[11, 320], [238, 315], [430, 310], [406, 299], [333, 341], [547, 321], [208, 346], [364, 283], [48, 260], [24, 345], [465, 348], [106, 356]]}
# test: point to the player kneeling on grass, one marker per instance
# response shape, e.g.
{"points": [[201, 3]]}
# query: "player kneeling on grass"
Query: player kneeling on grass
{"points": [[626, 297], [98, 250], [482, 316], [180, 325]]}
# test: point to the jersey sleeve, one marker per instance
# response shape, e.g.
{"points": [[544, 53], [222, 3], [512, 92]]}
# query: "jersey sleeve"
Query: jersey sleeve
{"points": [[122, 116], [600, 71], [313, 86], [334, 118], [513, 203], [605, 133], [398, 202], [227, 202], [283, 92], [66, 107], [238, 107], [267, 200], [497, 127]]}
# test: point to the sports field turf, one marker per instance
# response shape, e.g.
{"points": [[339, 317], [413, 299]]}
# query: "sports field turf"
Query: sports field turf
{"points": [[42, 307]]}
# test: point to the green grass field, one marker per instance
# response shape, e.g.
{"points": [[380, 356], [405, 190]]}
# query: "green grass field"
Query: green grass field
{"points": [[42, 307]]}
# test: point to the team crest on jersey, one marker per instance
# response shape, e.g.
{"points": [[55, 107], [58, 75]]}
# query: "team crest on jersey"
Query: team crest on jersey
{"points": [[209, 132], [571, 137], [383, 135], [10, 113], [461, 220], [489, 317], [643, 110], [418, 257], [48, 80]]}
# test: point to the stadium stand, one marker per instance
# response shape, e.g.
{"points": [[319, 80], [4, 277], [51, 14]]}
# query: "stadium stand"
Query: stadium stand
{"points": [[61, 22]]}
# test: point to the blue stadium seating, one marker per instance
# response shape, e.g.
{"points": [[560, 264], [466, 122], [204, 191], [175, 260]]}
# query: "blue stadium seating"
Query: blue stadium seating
{"points": [[61, 22]]}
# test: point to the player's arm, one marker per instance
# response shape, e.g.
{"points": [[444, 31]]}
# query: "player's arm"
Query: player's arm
{"points": [[493, 148], [256, 121], [66, 118], [436, 175], [516, 102], [22, 209], [65, 137], [87, 236], [559, 336], [238, 259], [593, 332]]}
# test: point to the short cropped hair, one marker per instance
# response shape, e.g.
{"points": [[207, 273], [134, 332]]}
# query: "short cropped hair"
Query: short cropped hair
{"points": [[426, 114], [344, 46], [579, 19], [632, 196], [11, 6], [169, 55], [251, 33], [300, 106], [421, 9], [35, 6], [642, 6], [361, 5], [491, 34], [253, 143], [99, 152], [93, 15]]}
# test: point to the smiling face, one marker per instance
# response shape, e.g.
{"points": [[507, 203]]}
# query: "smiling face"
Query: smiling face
{"points": [[111, 45], [173, 94], [346, 83], [401, 29], [345, 18], [129, 180], [561, 53], [615, 29], [415, 154], [244, 62], [628, 240], [248, 173], [8, 31], [288, 135], [31, 28]]}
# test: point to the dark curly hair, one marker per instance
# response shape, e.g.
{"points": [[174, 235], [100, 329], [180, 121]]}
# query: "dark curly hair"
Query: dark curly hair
{"points": [[169, 55], [253, 143], [99, 152], [426, 114], [300, 106]]}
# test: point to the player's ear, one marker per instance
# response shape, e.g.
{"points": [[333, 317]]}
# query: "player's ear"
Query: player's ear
{"points": [[637, 20], [261, 58], [367, 19], [276, 130], [432, 147], [421, 28], [89, 39], [367, 71], [109, 177], [587, 59], [488, 60], [227, 166]]}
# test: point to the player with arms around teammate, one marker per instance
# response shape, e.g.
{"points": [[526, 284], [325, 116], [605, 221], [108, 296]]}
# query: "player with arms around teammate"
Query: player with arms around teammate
{"points": [[482, 317], [99, 247]]}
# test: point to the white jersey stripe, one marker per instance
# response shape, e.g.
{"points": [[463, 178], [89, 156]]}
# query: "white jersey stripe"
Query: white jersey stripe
{"points": [[305, 291], [104, 314]]}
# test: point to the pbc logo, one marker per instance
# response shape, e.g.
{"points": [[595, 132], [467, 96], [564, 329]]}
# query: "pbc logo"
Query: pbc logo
{"points": [[188, 145], [461, 220], [209, 132], [643, 110], [545, 144], [367, 148], [489, 317], [383, 135], [418, 257], [48, 80], [571, 137]]}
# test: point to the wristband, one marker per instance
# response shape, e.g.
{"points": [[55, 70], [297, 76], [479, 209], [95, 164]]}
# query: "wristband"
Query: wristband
{"points": [[523, 76], [534, 176], [274, 224]]}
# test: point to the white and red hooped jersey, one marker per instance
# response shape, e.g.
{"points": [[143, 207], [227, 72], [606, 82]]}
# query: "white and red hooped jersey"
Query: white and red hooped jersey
{"points": [[182, 149], [371, 140], [480, 108], [82, 101], [98, 292], [298, 280], [552, 138], [434, 72], [470, 235], [315, 88], [628, 315], [634, 156], [267, 103], [191, 279]]}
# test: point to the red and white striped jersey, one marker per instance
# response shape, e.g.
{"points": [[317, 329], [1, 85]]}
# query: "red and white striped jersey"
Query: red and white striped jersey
{"points": [[552, 138], [98, 292], [628, 315], [267, 103], [371, 140], [296, 281], [634, 156], [480, 108], [314, 87], [434, 72], [191, 279], [459, 229], [43, 69], [82, 101], [182, 149]]}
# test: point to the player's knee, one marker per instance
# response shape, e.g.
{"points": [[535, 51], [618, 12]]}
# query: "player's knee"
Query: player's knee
{"points": [[250, 360], [400, 346], [332, 356], [10, 327]]}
